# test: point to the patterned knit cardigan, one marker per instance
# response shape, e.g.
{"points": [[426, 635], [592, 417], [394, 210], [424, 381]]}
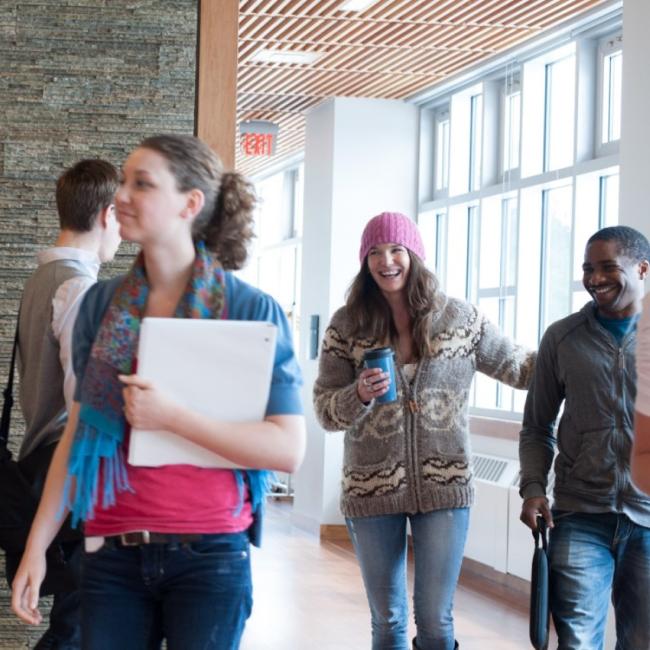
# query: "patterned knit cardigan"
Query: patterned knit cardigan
{"points": [[413, 455]]}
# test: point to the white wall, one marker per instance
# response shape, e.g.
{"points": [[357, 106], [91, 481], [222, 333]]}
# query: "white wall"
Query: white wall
{"points": [[360, 159], [634, 201]]}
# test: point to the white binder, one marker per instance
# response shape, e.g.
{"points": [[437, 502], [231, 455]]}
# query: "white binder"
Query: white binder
{"points": [[219, 368]]}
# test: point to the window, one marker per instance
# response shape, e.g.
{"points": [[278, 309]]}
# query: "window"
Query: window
{"points": [[611, 99], [496, 291], [548, 111], [275, 261], [466, 140], [608, 208], [475, 141], [596, 207], [559, 113], [529, 183], [433, 228], [442, 151], [511, 126], [556, 246]]}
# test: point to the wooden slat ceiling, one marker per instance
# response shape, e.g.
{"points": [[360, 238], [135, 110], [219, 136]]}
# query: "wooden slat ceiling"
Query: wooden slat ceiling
{"points": [[392, 50]]}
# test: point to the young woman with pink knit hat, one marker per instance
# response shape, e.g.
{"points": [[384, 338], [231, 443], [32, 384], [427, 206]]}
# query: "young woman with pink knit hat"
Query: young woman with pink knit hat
{"points": [[408, 459]]}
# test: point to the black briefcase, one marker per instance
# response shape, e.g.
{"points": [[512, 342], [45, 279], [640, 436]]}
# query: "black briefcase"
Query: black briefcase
{"points": [[539, 591]]}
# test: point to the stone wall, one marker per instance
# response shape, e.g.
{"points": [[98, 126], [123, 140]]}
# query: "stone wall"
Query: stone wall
{"points": [[78, 78]]}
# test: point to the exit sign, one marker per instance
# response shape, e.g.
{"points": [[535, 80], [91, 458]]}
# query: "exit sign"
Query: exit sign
{"points": [[258, 137]]}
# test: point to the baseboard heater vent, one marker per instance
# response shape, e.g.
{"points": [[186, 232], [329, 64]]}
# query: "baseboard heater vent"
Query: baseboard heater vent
{"points": [[489, 468]]}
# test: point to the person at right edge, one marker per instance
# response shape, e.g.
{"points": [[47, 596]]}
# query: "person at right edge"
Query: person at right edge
{"points": [[600, 521], [408, 460]]}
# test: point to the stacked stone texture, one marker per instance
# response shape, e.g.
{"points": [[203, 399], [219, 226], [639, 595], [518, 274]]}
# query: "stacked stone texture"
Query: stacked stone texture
{"points": [[78, 78]]}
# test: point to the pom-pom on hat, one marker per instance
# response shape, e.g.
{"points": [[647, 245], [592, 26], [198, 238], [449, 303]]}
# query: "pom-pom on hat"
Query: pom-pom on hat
{"points": [[391, 228]]}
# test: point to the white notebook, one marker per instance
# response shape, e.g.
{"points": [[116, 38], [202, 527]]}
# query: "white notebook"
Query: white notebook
{"points": [[220, 368]]}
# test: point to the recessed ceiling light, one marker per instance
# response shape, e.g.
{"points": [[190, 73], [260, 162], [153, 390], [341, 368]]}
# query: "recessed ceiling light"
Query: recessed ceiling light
{"points": [[356, 5], [285, 56]]}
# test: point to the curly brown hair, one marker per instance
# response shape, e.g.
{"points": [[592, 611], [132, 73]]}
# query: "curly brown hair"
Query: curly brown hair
{"points": [[225, 223], [371, 315]]}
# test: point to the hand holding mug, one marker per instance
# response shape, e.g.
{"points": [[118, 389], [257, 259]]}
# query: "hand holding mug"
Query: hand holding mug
{"points": [[372, 383]]}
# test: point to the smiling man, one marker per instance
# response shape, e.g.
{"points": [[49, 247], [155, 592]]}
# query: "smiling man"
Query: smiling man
{"points": [[600, 522]]}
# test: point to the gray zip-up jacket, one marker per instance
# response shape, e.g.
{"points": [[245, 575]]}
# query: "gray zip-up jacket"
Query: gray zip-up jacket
{"points": [[413, 455], [581, 364]]}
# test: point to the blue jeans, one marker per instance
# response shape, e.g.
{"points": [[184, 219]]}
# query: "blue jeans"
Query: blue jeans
{"points": [[197, 596], [380, 544], [592, 556]]}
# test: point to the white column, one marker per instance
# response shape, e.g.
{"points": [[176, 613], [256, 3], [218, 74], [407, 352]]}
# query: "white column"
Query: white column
{"points": [[634, 197], [360, 159], [634, 201]]}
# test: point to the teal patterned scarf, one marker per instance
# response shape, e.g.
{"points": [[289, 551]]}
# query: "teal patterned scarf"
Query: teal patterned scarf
{"points": [[102, 425]]}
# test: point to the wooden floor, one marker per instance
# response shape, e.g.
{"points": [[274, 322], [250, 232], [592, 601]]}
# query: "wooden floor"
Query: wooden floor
{"points": [[309, 594]]}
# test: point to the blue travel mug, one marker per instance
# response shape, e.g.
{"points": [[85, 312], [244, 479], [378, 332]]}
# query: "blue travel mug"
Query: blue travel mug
{"points": [[383, 358]]}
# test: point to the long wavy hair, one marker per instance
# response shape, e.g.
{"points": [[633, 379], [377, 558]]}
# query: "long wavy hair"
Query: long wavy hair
{"points": [[371, 314]]}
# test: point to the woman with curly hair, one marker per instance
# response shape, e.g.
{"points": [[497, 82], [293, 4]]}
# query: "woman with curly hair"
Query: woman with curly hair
{"points": [[167, 548], [407, 459]]}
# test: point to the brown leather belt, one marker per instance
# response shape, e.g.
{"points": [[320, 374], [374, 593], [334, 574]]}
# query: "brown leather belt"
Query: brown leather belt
{"points": [[141, 537]]}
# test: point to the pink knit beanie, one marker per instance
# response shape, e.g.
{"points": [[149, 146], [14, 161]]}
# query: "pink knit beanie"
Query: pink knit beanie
{"points": [[391, 228]]}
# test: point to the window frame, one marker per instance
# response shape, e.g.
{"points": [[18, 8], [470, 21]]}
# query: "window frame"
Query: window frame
{"points": [[583, 47], [511, 86], [441, 156], [607, 45]]}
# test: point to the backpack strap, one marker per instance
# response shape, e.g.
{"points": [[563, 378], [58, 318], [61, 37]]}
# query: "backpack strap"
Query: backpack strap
{"points": [[8, 396]]}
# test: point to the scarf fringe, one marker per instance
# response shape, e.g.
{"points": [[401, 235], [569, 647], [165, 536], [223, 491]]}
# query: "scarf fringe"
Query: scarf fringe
{"points": [[93, 448], [259, 485]]}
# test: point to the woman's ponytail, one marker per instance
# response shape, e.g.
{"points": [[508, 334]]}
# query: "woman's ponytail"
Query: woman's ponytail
{"points": [[230, 229]]}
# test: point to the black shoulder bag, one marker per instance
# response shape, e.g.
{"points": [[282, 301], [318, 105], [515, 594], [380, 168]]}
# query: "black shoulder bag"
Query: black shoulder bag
{"points": [[19, 497], [539, 593]]}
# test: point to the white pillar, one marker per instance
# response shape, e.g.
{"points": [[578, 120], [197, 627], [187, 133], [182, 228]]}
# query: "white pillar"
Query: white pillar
{"points": [[360, 159], [634, 197], [634, 201]]}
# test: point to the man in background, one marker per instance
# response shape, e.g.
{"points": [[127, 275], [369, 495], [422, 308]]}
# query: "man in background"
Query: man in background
{"points": [[600, 521], [88, 236]]}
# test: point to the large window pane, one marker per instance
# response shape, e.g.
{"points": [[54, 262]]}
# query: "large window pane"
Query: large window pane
{"points": [[587, 220], [529, 264], [609, 200], [277, 275], [490, 247], [274, 218], [511, 130], [298, 176], [457, 243], [475, 141], [496, 286], [559, 114], [611, 99], [557, 210], [442, 152], [485, 388]]}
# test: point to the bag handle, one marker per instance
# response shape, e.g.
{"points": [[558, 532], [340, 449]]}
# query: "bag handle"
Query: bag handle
{"points": [[540, 533], [8, 394]]}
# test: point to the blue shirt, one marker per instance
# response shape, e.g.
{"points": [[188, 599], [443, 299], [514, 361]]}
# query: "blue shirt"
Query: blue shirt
{"points": [[243, 302], [619, 327]]}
